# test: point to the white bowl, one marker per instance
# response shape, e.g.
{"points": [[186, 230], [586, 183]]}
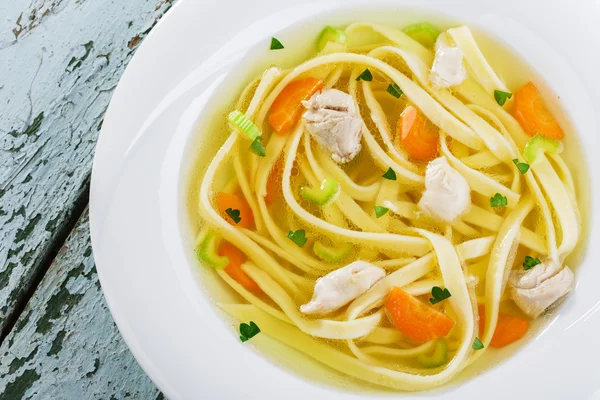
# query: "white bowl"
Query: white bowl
{"points": [[140, 228]]}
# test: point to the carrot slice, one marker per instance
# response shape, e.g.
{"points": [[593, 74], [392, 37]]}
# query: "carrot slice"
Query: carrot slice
{"points": [[416, 136], [509, 328], [415, 319], [533, 115], [286, 108], [274, 183], [234, 268], [235, 202]]}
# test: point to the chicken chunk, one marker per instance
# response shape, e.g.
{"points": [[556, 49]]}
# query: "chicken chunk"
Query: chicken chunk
{"points": [[448, 68], [341, 286], [534, 300], [332, 119], [447, 193]]}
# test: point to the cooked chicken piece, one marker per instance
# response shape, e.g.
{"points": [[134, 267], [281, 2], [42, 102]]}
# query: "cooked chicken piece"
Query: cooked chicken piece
{"points": [[534, 276], [331, 118], [447, 193], [537, 299], [448, 68], [341, 286]]}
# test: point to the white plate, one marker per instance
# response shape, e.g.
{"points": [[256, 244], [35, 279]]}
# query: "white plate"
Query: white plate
{"points": [[139, 228]]}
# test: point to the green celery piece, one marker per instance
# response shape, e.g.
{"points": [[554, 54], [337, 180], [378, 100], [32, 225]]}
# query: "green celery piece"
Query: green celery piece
{"points": [[538, 145], [423, 32], [438, 358], [330, 34], [207, 251], [238, 121], [330, 254], [324, 195]]}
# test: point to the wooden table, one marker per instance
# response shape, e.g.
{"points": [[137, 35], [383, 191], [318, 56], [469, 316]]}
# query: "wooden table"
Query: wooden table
{"points": [[60, 61]]}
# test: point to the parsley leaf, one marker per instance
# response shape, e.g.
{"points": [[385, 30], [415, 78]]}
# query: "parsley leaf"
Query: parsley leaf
{"points": [[390, 174], [365, 76], [257, 147], [501, 96], [498, 200], [276, 44], [247, 332], [477, 345], [523, 168], [298, 237], [439, 294], [380, 211], [394, 90], [530, 262], [234, 215]]}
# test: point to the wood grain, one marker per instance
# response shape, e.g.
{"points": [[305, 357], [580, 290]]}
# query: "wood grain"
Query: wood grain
{"points": [[65, 345], [60, 61]]}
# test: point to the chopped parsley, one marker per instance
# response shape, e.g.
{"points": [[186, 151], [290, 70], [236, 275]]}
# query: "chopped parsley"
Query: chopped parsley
{"points": [[477, 345], [523, 167], [298, 237], [365, 76], [390, 174], [501, 96], [394, 90], [439, 294], [248, 331], [276, 44], [257, 147], [234, 215], [530, 262], [380, 211], [498, 200]]}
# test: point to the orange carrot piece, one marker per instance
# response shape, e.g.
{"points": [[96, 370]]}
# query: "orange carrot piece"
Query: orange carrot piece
{"points": [[415, 319], [416, 136], [286, 108], [274, 182], [509, 328], [533, 115], [234, 268], [235, 202]]}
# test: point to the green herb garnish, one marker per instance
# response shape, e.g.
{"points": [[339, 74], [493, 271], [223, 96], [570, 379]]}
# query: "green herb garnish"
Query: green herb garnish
{"points": [[394, 90], [390, 174], [257, 148], [498, 200], [439, 294], [247, 332], [365, 76], [477, 345], [380, 211], [234, 215], [530, 262], [501, 96], [276, 44], [523, 167], [298, 237]]}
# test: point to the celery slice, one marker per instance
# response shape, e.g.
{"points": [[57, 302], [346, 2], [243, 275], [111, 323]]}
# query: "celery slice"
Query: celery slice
{"points": [[330, 34], [239, 122], [538, 145], [324, 195], [423, 32], [438, 358], [330, 254], [207, 251]]}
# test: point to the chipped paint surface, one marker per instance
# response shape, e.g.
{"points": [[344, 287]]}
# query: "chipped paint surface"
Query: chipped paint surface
{"points": [[60, 61], [65, 344]]}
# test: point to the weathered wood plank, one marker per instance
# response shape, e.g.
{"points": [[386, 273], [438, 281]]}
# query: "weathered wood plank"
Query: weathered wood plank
{"points": [[65, 345], [59, 63]]}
